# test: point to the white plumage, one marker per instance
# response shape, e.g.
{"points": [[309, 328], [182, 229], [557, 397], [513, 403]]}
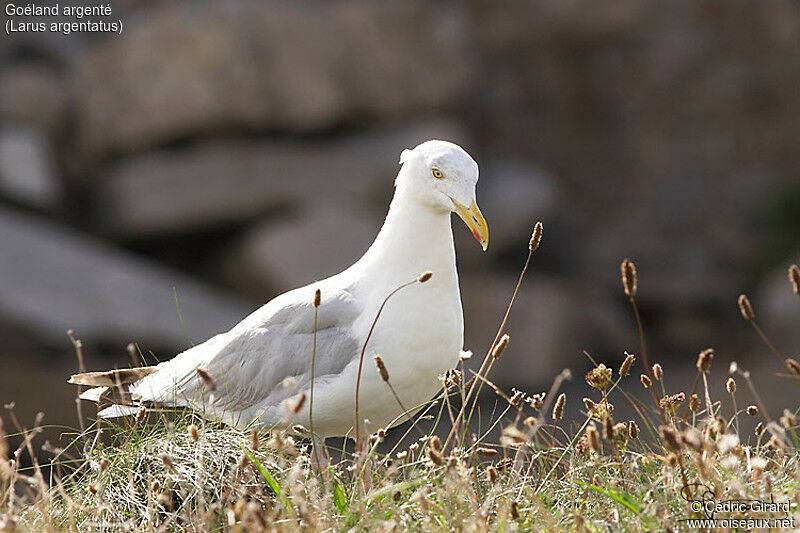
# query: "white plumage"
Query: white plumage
{"points": [[266, 358]]}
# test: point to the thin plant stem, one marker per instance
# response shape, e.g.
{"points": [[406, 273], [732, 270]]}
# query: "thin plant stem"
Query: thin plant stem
{"points": [[403, 408], [311, 391], [488, 357], [735, 414], [645, 360], [773, 351], [364, 349]]}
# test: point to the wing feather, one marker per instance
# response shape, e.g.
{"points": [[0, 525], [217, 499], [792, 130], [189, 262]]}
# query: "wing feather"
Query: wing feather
{"points": [[248, 364]]}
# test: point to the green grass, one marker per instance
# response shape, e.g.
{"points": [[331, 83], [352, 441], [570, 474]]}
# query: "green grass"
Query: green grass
{"points": [[154, 476]]}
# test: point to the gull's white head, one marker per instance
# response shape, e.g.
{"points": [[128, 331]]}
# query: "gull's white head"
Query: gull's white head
{"points": [[442, 175]]}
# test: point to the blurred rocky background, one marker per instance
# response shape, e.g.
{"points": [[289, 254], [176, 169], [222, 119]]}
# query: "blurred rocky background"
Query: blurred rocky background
{"points": [[158, 185]]}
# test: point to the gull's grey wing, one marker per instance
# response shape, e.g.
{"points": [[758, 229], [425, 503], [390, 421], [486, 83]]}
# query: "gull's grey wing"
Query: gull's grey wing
{"points": [[249, 363]]}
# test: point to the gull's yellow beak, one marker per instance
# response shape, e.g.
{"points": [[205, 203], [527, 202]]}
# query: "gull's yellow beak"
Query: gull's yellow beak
{"points": [[474, 220]]}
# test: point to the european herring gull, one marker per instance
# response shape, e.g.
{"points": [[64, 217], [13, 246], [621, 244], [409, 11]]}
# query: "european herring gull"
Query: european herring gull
{"points": [[247, 376]]}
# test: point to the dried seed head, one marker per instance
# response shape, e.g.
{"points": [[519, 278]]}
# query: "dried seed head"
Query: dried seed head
{"points": [[704, 360], [794, 278], [193, 433], [167, 460], [205, 377], [140, 415], [435, 443], [593, 437], [672, 401], [381, 368], [730, 385], [132, 353], [558, 409], [492, 474], [645, 381], [254, 440], [512, 436], [514, 510], [759, 429], [658, 372], [536, 237], [434, 456], [599, 411], [452, 378], [537, 400], [628, 270], [621, 434], [752, 410], [721, 425], [500, 346], [671, 438], [608, 429], [425, 276], [694, 402], [486, 452], [776, 443], [625, 368], [317, 298], [745, 308], [789, 419], [793, 366], [599, 377], [516, 398], [633, 429], [297, 403]]}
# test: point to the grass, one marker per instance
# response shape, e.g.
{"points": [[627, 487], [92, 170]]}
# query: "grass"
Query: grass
{"points": [[525, 470]]}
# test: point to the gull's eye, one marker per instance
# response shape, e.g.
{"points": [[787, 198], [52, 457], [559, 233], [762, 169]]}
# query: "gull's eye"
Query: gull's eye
{"points": [[437, 173]]}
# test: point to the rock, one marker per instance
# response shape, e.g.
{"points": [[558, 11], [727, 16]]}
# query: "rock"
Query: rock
{"points": [[53, 279], [311, 245], [295, 66], [224, 182], [27, 172], [667, 135], [550, 324], [513, 195]]}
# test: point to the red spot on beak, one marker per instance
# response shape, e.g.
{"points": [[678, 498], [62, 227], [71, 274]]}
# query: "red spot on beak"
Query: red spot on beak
{"points": [[475, 234]]}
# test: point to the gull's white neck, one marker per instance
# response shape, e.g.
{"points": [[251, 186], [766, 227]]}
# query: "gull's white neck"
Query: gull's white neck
{"points": [[414, 238]]}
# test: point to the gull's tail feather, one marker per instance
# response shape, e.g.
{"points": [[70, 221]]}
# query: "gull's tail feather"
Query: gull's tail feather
{"points": [[112, 378], [116, 411], [93, 395], [110, 390]]}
